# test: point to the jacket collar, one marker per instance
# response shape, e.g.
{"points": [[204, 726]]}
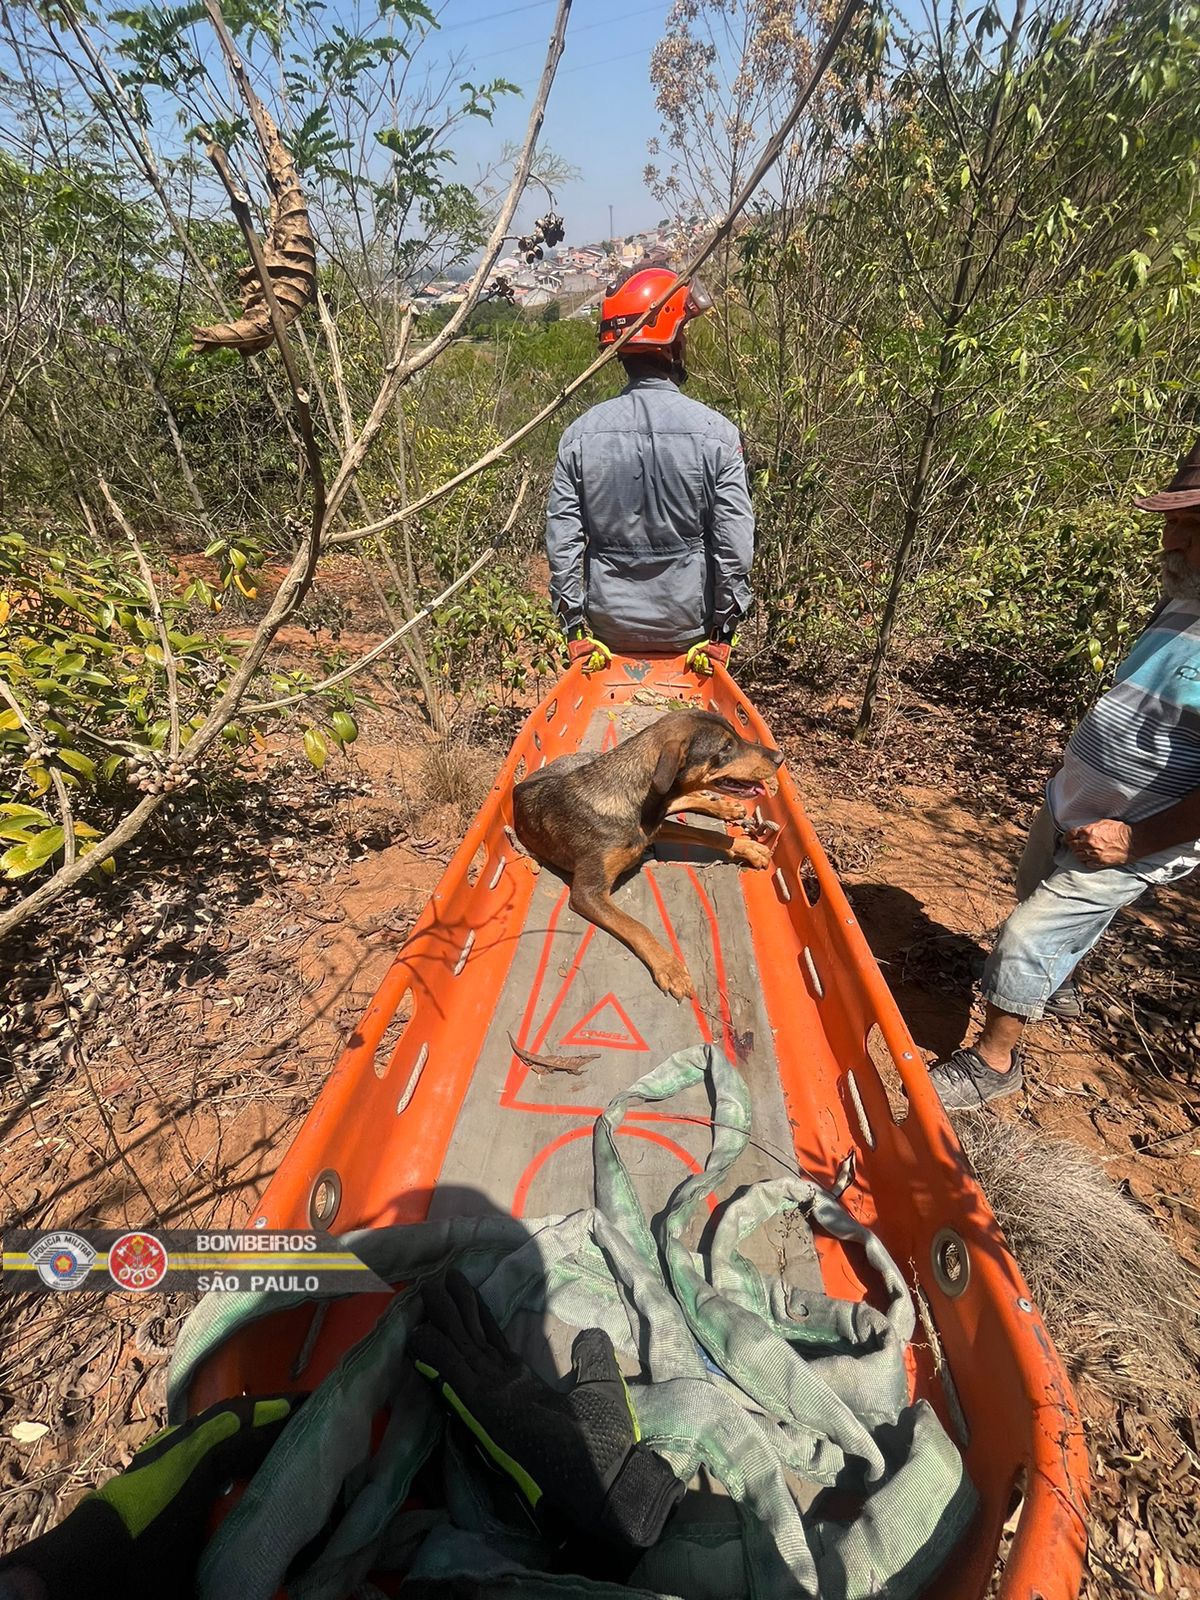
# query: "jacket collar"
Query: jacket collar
{"points": [[648, 380]]}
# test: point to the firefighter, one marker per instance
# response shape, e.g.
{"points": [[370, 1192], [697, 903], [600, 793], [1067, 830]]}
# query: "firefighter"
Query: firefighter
{"points": [[649, 528]]}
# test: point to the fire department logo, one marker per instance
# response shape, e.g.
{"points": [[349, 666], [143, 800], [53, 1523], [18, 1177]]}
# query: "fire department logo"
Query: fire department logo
{"points": [[137, 1261], [63, 1260]]}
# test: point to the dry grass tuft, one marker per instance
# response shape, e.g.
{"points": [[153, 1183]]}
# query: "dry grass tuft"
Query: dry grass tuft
{"points": [[1122, 1307], [455, 774]]}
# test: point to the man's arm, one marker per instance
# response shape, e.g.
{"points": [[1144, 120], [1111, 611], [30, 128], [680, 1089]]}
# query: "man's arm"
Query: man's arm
{"points": [[1109, 843], [565, 540], [732, 541]]}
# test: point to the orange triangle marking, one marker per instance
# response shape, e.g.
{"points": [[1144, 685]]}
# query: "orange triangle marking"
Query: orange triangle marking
{"points": [[601, 1027]]}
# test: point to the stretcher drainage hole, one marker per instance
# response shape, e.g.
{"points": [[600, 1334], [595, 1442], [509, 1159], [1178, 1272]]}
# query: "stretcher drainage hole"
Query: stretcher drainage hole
{"points": [[1016, 1508], [478, 862], [553, 707], [951, 1262], [810, 884], [741, 714], [519, 773], [537, 740], [324, 1198], [860, 1111], [386, 1048], [888, 1073]]}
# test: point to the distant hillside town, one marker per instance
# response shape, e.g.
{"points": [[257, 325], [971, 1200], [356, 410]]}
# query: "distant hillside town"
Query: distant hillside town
{"points": [[575, 276]]}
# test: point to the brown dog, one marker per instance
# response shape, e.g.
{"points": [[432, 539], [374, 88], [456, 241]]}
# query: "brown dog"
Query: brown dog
{"points": [[593, 817]]}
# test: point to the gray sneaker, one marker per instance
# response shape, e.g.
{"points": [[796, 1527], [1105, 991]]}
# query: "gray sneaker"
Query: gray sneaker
{"points": [[1064, 1004], [965, 1082]]}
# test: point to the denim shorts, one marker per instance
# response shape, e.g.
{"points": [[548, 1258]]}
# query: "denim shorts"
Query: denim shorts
{"points": [[1064, 908]]}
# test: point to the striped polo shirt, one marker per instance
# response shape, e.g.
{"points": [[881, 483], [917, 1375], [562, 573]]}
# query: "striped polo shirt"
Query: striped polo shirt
{"points": [[1137, 750]]}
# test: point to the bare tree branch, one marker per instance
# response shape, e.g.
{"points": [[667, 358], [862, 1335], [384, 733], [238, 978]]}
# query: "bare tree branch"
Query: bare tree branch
{"points": [[427, 610], [399, 371], [56, 779], [156, 614]]}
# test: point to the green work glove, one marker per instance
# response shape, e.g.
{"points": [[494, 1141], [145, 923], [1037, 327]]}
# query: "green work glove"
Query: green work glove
{"points": [[576, 1455], [141, 1535]]}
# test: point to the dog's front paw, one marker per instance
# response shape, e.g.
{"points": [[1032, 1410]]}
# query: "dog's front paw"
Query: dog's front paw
{"points": [[673, 978], [725, 806], [751, 853]]}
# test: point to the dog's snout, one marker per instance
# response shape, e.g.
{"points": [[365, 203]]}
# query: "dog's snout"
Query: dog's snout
{"points": [[776, 756]]}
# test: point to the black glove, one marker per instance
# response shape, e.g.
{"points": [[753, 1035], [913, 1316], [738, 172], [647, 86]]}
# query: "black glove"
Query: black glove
{"points": [[142, 1534], [577, 1456]]}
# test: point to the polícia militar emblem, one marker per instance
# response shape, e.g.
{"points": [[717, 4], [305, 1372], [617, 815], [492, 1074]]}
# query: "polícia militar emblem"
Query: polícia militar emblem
{"points": [[63, 1260]]}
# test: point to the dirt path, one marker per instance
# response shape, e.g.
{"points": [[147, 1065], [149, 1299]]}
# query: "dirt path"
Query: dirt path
{"points": [[168, 1043]]}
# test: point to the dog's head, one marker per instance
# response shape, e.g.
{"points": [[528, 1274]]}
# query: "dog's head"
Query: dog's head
{"points": [[701, 750]]}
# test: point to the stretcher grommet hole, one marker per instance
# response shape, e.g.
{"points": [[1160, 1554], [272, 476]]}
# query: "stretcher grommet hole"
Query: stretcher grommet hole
{"points": [[413, 1078], [1025, 1305], [888, 1073], [390, 1038], [468, 946], [860, 1111], [499, 872], [478, 862], [813, 973], [951, 1262], [810, 884], [552, 708], [785, 894], [324, 1198]]}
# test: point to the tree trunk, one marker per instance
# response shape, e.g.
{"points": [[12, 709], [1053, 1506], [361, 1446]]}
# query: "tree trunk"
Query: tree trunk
{"points": [[912, 521]]}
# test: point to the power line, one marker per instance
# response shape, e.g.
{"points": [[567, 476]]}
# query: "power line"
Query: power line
{"points": [[588, 27], [494, 16]]}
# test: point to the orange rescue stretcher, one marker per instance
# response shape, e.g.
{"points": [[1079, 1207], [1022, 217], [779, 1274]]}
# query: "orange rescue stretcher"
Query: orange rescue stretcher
{"points": [[437, 1107]]}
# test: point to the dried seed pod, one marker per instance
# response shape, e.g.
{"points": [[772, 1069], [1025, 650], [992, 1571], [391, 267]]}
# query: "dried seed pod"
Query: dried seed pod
{"points": [[290, 257]]}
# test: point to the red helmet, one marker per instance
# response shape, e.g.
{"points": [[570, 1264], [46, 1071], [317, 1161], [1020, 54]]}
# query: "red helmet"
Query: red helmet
{"points": [[626, 302]]}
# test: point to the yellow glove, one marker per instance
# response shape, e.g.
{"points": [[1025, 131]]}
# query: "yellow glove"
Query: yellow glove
{"points": [[700, 657], [594, 652]]}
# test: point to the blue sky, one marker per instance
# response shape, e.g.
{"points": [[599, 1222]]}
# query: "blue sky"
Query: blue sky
{"points": [[601, 111]]}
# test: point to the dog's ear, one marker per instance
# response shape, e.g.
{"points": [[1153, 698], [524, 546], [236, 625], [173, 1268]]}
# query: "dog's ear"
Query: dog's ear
{"points": [[670, 760]]}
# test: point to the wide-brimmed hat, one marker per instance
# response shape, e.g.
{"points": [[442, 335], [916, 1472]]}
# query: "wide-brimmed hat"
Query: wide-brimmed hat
{"points": [[1183, 489]]}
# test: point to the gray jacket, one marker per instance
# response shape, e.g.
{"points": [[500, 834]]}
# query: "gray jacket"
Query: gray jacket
{"points": [[649, 527]]}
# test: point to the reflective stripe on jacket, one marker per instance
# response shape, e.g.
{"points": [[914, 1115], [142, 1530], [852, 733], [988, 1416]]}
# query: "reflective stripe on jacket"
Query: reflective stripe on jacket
{"points": [[649, 527]]}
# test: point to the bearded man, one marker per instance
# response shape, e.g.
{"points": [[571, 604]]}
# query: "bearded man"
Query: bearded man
{"points": [[1121, 814]]}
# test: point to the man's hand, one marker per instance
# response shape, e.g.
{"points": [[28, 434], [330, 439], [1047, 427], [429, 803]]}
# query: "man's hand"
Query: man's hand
{"points": [[1103, 844]]}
